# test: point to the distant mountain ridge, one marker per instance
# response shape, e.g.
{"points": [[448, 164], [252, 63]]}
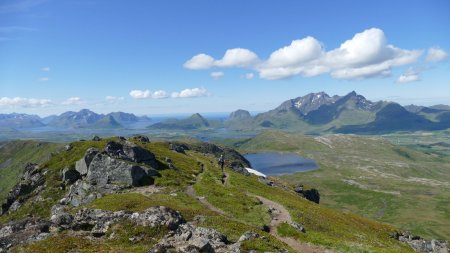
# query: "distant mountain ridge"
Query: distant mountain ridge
{"points": [[352, 113], [314, 113], [20, 120], [195, 121], [82, 119]]}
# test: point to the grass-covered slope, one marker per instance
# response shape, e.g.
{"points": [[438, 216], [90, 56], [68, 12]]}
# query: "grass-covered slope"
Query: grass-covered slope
{"points": [[14, 155], [231, 207], [372, 177]]}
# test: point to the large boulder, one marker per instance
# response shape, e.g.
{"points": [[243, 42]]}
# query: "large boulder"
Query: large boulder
{"points": [[82, 165], [106, 170], [131, 152]]}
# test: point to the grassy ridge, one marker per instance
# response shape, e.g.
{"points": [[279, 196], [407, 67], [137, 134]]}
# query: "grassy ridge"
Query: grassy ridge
{"points": [[326, 227], [372, 177]]}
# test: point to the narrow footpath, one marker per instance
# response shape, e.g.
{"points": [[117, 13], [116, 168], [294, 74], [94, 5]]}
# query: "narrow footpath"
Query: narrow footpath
{"points": [[280, 215]]}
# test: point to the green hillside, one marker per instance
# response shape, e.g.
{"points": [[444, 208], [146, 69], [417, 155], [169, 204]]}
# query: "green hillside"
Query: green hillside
{"points": [[372, 177], [14, 155], [231, 205]]}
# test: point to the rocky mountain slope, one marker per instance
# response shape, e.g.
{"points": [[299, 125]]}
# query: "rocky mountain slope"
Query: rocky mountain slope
{"points": [[194, 122], [137, 195], [19, 120]]}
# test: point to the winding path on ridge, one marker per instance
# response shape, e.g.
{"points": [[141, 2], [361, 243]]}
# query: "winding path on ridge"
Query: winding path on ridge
{"points": [[280, 215]]}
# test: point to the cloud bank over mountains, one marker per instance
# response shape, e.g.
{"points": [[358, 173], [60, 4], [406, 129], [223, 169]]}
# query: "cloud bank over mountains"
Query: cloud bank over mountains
{"points": [[368, 54], [160, 94]]}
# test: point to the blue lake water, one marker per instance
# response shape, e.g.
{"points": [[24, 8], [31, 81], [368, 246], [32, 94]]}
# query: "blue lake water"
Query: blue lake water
{"points": [[275, 164]]}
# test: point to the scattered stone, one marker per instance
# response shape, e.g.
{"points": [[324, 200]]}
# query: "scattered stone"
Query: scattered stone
{"points": [[422, 245], [189, 238], [96, 138], [158, 216], [266, 181], [60, 217], [141, 138], [23, 231], [179, 148], [248, 236], [299, 227], [299, 189], [68, 147]]}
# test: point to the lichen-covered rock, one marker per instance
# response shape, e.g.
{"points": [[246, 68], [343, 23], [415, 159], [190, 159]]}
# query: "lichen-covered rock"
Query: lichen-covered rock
{"points": [[59, 217], [158, 216], [130, 152], [106, 170], [422, 245], [82, 165], [297, 226], [22, 231], [189, 238]]}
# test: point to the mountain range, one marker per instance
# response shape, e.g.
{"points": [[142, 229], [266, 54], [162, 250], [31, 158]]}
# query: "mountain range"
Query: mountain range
{"points": [[81, 119], [313, 113], [319, 112]]}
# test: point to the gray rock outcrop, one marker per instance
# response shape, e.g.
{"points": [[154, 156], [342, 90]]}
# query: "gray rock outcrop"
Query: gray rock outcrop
{"points": [[421, 245], [24, 231], [31, 181], [110, 171]]}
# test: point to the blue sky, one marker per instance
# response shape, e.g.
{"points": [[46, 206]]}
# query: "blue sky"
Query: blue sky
{"points": [[159, 57]]}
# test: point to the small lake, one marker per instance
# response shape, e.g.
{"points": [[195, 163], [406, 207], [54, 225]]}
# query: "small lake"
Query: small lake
{"points": [[276, 164]]}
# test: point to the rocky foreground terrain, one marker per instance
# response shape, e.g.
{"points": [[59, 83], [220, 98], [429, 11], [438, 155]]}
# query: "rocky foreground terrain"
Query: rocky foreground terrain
{"points": [[134, 195]]}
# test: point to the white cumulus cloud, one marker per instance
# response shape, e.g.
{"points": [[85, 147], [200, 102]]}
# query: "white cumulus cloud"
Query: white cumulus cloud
{"points": [[236, 57], [24, 102], [200, 61], [410, 75], [45, 69], [298, 52], [367, 54], [189, 93], [44, 79], [217, 75], [73, 101], [140, 94], [436, 55]]}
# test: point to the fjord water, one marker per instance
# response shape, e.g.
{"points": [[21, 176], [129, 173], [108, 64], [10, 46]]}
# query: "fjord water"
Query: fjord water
{"points": [[275, 164]]}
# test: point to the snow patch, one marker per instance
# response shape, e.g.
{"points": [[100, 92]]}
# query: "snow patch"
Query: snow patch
{"points": [[250, 170]]}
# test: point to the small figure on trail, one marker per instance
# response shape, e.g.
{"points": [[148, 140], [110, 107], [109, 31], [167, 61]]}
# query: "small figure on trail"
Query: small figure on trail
{"points": [[221, 162]]}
